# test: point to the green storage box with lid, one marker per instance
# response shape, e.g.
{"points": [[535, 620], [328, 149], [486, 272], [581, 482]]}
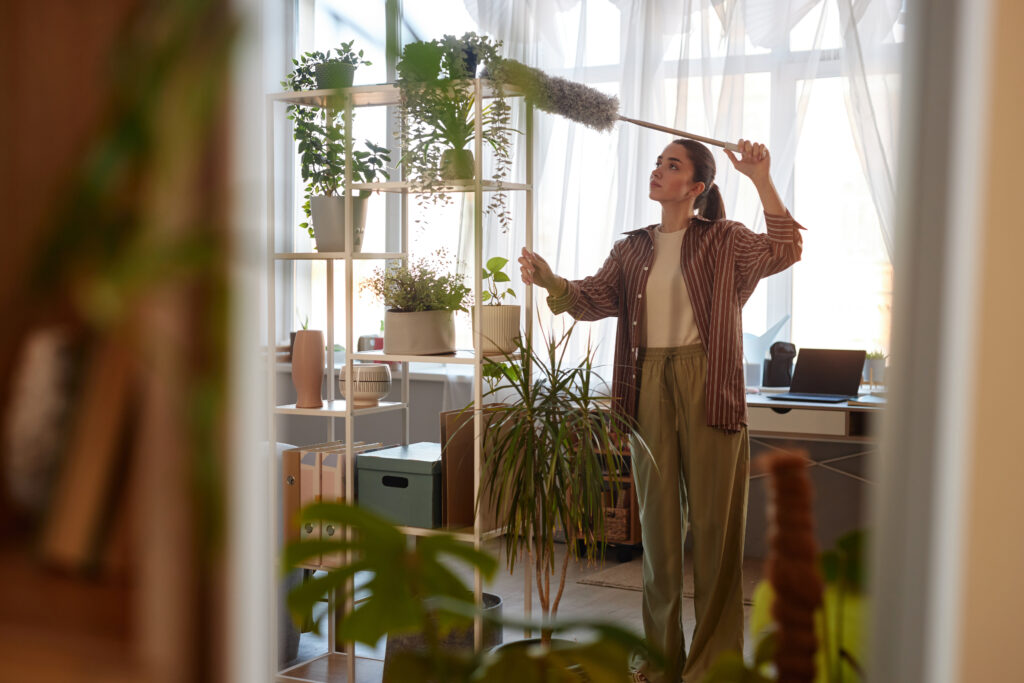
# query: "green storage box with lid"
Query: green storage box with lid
{"points": [[402, 483]]}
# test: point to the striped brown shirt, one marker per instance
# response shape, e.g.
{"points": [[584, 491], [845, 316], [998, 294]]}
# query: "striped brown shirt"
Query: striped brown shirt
{"points": [[721, 262]]}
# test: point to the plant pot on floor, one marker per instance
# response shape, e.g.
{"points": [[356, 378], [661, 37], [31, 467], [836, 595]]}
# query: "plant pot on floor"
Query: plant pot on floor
{"points": [[457, 164], [308, 368], [457, 639], [419, 333], [328, 215], [334, 74], [500, 328]]}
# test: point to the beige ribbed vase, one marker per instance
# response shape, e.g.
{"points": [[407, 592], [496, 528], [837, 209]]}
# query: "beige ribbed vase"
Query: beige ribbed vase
{"points": [[308, 368], [500, 329]]}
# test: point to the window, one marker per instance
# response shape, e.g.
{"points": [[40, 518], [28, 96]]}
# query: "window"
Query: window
{"points": [[793, 96]]}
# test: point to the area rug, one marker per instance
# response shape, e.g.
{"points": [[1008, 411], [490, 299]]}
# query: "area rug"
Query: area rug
{"points": [[629, 576]]}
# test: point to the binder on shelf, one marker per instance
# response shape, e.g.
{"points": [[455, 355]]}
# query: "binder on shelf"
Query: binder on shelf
{"points": [[309, 476]]}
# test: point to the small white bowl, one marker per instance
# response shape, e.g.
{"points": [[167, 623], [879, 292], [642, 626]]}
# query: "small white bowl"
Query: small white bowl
{"points": [[370, 383]]}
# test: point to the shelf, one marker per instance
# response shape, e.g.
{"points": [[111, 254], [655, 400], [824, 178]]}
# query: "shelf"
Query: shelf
{"points": [[468, 185], [336, 255], [370, 95], [462, 533], [337, 408], [460, 357], [333, 668]]}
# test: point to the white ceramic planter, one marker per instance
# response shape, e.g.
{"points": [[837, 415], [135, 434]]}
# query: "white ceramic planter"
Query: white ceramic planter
{"points": [[500, 328], [328, 216], [370, 383], [419, 333]]}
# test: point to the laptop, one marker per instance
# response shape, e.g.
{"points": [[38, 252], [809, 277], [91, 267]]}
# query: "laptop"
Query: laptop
{"points": [[825, 375]]}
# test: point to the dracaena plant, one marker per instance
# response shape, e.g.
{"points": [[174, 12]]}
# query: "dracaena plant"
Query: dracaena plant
{"points": [[548, 449]]}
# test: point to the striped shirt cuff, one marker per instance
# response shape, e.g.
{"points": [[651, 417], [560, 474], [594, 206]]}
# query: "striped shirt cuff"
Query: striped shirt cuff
{"points": [[782, 227], [563, 302]]}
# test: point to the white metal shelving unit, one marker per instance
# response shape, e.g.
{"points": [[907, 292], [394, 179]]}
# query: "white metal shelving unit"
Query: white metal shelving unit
{"points": [[334, 408]]}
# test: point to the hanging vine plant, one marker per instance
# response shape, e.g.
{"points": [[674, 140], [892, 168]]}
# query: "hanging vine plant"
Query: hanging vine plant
{"points": [[437, 117]]}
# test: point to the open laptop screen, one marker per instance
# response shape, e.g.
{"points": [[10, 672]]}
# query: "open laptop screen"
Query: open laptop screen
{"points": [[828, 371]]}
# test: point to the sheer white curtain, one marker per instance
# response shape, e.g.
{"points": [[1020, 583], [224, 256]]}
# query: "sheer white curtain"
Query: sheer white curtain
{"points": [[725, 68], [869, 50]]}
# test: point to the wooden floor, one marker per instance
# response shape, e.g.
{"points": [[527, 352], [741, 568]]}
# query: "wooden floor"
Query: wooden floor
{"points": [[578, 601]]}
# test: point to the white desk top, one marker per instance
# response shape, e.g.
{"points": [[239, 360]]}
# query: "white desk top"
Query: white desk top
{"points": [[762, 400]]}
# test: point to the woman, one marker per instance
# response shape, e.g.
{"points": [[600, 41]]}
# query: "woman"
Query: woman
{"points": [[677, 289]]}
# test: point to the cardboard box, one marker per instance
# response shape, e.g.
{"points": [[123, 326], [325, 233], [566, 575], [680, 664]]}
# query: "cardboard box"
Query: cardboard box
{"points": [[403, 484], [457, 502]]}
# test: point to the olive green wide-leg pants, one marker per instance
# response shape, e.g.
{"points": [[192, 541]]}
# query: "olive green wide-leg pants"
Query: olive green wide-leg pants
{"points": [[696, 477]]}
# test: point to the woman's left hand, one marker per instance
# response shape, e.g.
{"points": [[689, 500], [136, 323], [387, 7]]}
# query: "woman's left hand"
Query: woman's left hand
{"points": [[754, 160]]}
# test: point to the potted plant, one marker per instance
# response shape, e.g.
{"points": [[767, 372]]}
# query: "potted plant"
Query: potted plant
{"points": [[338, 71], [547, 454], [874, 367], [499, 322], [320, 134], [437, 111], [421, 298], [416, 589]]}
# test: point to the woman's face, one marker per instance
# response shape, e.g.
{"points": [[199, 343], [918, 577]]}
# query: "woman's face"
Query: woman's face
{"points": [[672, 177]]}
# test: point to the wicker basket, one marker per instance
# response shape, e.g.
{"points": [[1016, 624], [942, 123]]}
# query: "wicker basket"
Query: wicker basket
{"points": [[616, 524]]}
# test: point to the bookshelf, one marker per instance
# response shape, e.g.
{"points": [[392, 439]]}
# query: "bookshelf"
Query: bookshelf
{"points": [[338, 665]]}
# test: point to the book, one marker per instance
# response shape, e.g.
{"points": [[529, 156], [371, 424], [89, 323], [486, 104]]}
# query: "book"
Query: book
{"points": [[88, 486], [867, 400]]}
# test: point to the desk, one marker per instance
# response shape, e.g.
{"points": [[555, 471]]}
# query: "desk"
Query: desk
{"points": [[838, 438]]}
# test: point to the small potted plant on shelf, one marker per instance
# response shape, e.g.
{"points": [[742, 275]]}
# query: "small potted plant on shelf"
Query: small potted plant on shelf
{"points": [[437, 111], [421, 298], [499, 321], [320, 134], [337, 71], [548, 452], [874, 367]]}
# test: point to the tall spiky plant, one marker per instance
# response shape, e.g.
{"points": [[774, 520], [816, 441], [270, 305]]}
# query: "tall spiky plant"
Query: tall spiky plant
{"points": [[548, 453]]}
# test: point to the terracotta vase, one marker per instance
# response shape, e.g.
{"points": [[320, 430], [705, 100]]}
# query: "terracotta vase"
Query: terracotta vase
{"points": [[308, 368]]}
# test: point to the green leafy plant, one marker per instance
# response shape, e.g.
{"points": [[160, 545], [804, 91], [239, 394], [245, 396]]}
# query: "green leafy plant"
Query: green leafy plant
{"points": [[420, 285], [437, 111], [876, 355], [415, 589], [320, 135], [493, 373], [547, 453], [493, 274]]}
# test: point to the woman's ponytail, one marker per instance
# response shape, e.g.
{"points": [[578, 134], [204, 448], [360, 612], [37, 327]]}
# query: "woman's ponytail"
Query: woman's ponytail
{"points": [[710, 204]]}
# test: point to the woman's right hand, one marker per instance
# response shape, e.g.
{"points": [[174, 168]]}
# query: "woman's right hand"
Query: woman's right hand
{"points": [[536, 271]]}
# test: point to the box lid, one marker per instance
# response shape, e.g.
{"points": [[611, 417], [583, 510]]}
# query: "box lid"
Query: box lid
{"points": [[416, 458]]}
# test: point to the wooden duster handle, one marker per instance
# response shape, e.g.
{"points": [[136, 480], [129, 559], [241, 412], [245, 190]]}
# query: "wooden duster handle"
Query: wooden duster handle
{"points": [[681, 133]]}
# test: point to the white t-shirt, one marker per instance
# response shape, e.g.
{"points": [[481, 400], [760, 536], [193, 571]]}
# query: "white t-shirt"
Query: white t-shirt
{"points": [[670, 320]]}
